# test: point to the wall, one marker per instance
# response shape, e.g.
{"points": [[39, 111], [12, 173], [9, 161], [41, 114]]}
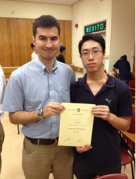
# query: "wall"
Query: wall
{"points": [[34, 10], [16, 29], [119, 34], [120, 27], [88, 12], [15, 41], [122, 30]]}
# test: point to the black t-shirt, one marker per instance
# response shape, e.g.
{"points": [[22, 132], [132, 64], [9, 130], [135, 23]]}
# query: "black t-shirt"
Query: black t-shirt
{"points": [[124, 69], [105, 138]]}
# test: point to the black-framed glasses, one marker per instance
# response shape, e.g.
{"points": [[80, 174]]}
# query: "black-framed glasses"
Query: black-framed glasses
{"points": [[94, 52]]}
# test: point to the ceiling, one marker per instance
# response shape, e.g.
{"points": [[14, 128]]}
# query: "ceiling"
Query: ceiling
{"points": [[64, 2]]}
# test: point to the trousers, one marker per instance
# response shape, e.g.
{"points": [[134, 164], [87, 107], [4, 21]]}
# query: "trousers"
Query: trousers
{"points": [[39, 160], [86, 171], [1, 142]]}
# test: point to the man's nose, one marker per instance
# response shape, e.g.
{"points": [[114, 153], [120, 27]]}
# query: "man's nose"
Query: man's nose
{"points": [[90, 55], [48, 43]]}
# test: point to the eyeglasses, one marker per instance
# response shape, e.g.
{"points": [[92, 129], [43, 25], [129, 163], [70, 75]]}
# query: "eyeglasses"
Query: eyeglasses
{"points": [[94, 53]]}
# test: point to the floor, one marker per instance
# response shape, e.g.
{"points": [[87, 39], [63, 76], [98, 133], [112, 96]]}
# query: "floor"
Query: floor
{"points": [[12, 153]]}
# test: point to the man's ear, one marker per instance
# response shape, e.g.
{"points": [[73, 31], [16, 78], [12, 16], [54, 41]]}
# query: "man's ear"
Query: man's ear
{"points": [[104, 54], [33, 41]]}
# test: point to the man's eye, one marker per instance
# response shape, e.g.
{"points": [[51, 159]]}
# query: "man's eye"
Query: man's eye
{"points": [[85, 53], [95, 51], [42, 38], [54, 39]]}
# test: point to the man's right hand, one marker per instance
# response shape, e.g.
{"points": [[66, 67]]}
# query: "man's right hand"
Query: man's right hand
{"points": [[52, 108]]}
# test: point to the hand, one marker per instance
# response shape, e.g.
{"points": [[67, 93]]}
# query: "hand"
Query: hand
{"points": [[84, 148], [52, 108], [109, 73], [101, 111]]}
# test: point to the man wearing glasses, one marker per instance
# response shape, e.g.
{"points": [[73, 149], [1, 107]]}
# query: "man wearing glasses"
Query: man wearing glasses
{"points": [[111, 113]]}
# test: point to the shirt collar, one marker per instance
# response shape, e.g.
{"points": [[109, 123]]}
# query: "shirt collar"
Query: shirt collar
{"points": [[43, 67], [110, 82]]}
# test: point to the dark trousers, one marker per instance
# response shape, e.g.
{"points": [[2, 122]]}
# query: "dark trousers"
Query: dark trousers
{"points": [[1, 142], [86, 171]]}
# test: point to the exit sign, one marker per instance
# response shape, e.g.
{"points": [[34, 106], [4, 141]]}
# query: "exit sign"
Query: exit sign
{"points": [[95, 27]]}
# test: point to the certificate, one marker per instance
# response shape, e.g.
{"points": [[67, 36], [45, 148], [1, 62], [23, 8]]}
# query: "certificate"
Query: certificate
{"points": [[76, 124]]}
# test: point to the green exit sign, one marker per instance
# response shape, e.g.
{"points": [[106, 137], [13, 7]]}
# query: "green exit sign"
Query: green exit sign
{"points": [[95, 27]]}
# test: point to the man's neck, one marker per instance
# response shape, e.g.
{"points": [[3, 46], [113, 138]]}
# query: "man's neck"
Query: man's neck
{"points": [[48, 63], [97, 76], [96, 80]]}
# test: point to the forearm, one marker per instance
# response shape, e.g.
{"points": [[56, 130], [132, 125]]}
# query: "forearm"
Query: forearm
{"points": [[114, 70], [120, 123], [23, 117], [28, 117]]}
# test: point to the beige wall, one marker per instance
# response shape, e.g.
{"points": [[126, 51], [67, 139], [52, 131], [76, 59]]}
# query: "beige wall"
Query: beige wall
{"points": [[88, 12], [34, 10], [120, 15], [122, 30]]}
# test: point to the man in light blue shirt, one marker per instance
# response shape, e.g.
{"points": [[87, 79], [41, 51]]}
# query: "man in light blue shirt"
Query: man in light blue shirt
{"points": [[2, 90], [33, 98]]}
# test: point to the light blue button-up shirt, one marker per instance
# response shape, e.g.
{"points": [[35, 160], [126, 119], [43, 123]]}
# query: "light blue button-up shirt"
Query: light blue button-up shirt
{"points": [[32, 87], [2, 90]]}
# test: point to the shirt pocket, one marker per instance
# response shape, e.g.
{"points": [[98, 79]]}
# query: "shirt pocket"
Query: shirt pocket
{"points": [[64, 94]]}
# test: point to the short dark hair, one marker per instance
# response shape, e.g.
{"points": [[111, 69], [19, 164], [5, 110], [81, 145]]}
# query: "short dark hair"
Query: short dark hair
{"points": [[124, 57], [32, 45], [96, 37], [45, 21], [62, 48]]}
